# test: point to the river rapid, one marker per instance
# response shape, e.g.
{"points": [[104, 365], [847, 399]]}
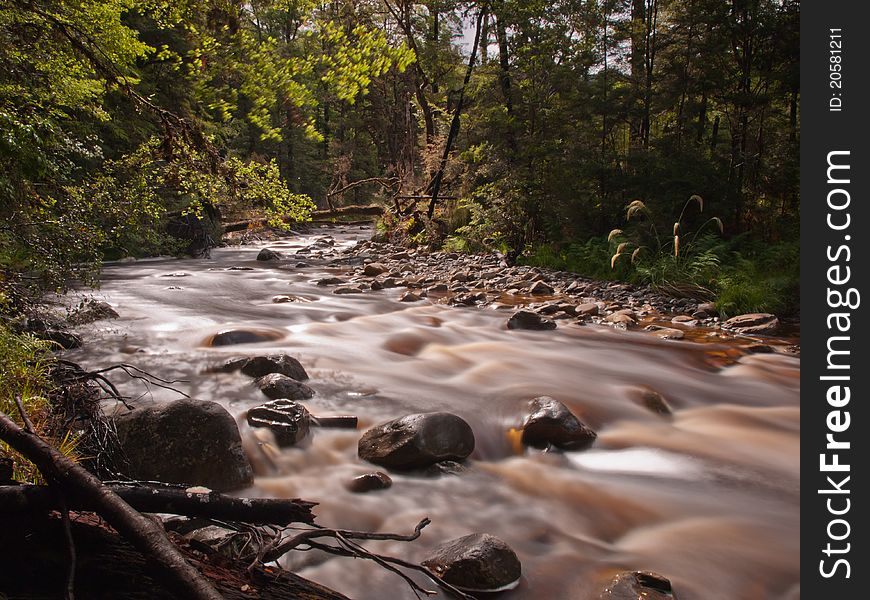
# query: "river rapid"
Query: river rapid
{"points": [[708, 497]]}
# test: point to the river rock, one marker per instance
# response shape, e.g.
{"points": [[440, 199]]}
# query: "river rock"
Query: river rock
{"points": [[260, 366], [374, 269], [194, 442], [230, 337], [621, 320], [638, 585], [752, 324], [541, 289], [708, 308], [288, 420], [655, 402], [369, 482], [666, 333], [348, 289], [685, 320], [479, 562], [588, 309], [93, 311], [324, 281], [551, 423], [266, 255], [410, 297], [417, 441], [277, 385], [526, 319]]}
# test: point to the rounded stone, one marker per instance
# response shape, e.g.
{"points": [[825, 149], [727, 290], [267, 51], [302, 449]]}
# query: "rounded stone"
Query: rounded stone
{"points": [[417, 441], [479, 562]]}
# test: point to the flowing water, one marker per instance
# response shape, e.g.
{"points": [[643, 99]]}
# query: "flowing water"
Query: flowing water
{"points": [[707, 497]]}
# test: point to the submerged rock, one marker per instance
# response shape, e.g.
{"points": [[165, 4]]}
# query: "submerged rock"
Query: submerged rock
{"points": [[551, 423], [348, 289], [666, 333], [188, 441], [288, 420], [369, 482], [242, 336], [654, 402], [329, 281], [751, 324], [638, 585], [417, 441], [277, 385], [526, 319], [266, 255], [479, 562]]}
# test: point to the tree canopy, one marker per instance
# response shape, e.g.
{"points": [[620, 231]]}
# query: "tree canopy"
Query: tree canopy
{"points": [[523, 126]]}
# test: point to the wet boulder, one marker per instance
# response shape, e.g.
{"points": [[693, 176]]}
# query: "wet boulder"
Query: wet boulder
{"points": [[194, 442], [551, 423], [752, 324], [587, 309], [374, 269], [479, 562], [267, 254], [638, 585], [539, 288], [260, 366], [325, 281], [93, 311], [277, 385], [348, 289], [231, 337], [417, 441], [286, 419], [369, 482], [526, 319]]}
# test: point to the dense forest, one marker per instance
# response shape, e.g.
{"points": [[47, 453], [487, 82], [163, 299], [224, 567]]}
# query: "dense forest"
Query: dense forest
{"points": [[570, 134]]}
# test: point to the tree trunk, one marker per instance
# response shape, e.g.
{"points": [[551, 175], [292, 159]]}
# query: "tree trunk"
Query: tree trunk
{"points": [[454, 124]]}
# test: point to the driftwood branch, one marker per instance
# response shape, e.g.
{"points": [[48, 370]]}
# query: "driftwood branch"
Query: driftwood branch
{"points": [[144, 534], [147, 499], [347, 546], [31, 549]]}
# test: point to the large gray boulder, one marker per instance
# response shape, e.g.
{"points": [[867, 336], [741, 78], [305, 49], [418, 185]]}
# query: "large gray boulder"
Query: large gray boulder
{"points": [[417, 441], [188, 441], [551, 423], [476, 563]]}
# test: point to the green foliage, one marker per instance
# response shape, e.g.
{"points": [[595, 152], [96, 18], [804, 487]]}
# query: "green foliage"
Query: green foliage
{"points": [[24, 370]]}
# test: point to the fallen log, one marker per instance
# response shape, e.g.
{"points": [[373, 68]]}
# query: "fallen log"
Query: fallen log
{"points": [[109, 568], [147, 499], [143, 533], [368, 209]]}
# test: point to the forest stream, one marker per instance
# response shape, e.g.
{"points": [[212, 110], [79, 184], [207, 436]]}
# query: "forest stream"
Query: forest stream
{"points": [[707, 496]]}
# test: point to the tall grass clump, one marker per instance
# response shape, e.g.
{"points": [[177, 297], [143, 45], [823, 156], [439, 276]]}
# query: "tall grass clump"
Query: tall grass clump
{"points": [[25, 364]]}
